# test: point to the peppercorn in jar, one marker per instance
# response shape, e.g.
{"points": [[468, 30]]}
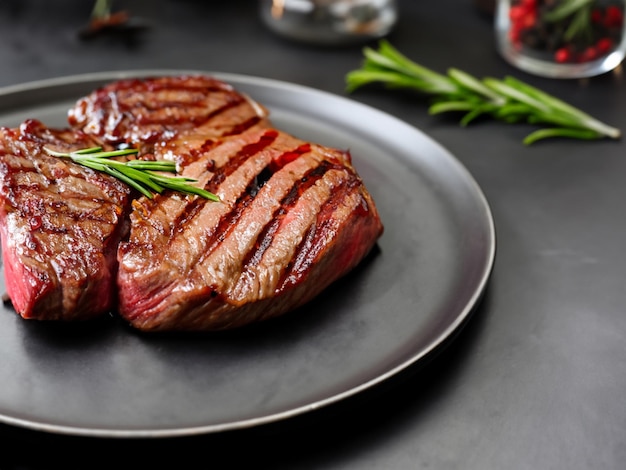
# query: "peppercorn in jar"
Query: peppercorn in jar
{"points": [[562, 38]]}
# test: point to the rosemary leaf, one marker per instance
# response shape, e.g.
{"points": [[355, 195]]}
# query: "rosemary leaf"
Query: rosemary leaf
{"points": [[180, 184], [583, 134], [388, 58], [471, 83], [475, 113], [565, 9], [404, 64], [580, 24], [78, 152], [447, 106], [389, 78], [512, 109], [158, 165], [129, 181], [558, 105], [515, 94]]}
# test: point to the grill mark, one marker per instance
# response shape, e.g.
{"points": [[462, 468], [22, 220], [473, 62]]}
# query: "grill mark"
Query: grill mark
{"points": [[162, 104], [243, 126], [116, 98], [139, 86], [226, 225], [51, 229], [192, 209], [184, 158], [35, 215], [48, 198], [229, 221], [146, 119], [288, 157], [259, 181], [206, 146], [247, 151], [265, 238], [155, 86], [313, 241]]}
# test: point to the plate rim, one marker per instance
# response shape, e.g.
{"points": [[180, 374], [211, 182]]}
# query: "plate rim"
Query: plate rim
{"points": [[234, 78]]}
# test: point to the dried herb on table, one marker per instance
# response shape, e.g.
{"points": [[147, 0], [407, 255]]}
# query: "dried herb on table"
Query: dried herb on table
{"points": [[104, 21], [509, 100]]}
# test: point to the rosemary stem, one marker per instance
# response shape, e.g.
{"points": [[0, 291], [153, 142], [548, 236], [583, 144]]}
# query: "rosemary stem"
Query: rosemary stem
{"points": [[509, 100]]}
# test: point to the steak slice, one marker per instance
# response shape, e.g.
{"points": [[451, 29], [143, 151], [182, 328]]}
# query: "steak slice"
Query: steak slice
{"points": [[293, 218], [155, 109], [60, 225]]}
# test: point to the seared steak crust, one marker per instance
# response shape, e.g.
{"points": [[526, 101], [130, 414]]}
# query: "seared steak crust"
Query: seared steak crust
{"points": [[60, 225], [293, 218], [156, 109]]}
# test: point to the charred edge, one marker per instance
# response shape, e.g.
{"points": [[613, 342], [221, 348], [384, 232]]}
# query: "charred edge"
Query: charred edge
{"points": [[316, 237], [264, 240], [259, 181]]}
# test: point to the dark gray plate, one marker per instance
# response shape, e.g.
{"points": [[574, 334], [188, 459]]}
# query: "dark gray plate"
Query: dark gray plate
{"points": [[421, 283]]}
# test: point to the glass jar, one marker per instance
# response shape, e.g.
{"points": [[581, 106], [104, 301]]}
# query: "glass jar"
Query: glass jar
{"points": [[329, 22], [562, 38]]}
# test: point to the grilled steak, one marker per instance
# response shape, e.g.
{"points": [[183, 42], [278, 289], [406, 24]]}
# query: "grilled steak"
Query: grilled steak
{"points": [[293, 218], [60, 225], [155, 109]]}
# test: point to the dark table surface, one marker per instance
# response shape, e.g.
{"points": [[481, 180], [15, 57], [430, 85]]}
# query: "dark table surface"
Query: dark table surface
{"points": [[537, 377]]}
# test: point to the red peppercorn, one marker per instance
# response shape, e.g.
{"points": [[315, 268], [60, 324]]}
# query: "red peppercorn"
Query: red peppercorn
{"points": [[604, 45], [529, 20], [562, 55], [613, 17], [596, 16], [516, 13], [590, 53]]}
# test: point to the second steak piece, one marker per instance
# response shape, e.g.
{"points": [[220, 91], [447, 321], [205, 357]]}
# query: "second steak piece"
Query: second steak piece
{"points": [[60, 224], [293, 218], [154, 109]]}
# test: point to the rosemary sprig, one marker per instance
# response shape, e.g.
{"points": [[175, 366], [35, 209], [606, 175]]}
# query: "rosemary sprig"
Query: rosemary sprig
{"points": [[140, 174], [509, 100]]}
